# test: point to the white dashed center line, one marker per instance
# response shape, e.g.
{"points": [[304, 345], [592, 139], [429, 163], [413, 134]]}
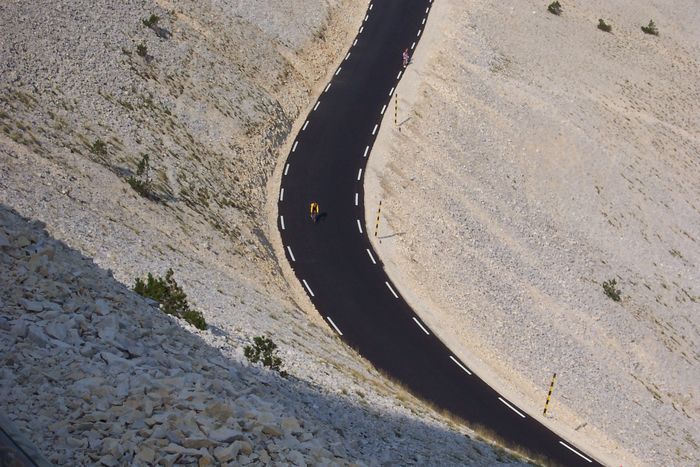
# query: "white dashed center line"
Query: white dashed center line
{"points": [[308, 288], [359, 226], [359, 175], [327, 87], [421, 326], [338, 72], [574, 450], [357, 198], [294, 148], [370, 256], [291, 255], [334, 326], [317, 104], [390, 288], [374, 131], [282, 222], [391, 92], [282, 194], [511, 407], [460, 365], [286, 169], [383, 109], [366, 151], [305, 125]]}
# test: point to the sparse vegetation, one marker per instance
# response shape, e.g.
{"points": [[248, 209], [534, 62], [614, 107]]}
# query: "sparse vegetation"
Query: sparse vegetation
{"points": [[151, 21], [141, 183], [611, 290], [554, 8], [603, 26], [98, 147], [650, 28], [264, 350], [171, 297], [141, 50]]}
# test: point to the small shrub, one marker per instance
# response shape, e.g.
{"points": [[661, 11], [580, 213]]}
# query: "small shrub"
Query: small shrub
{"points": [[171, 297], [141, 50], [603, 26], [611, 290], [142, 182], [141, 187], [265, 351], [151, 21], [554, 8], [99, 147], [650, 29]]}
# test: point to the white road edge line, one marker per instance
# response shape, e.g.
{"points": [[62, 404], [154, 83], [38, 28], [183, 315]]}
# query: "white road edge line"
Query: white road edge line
{"points": [[391, 92], [370, 256], [327, 87], [333, 324], [348, 55], [383, 109], [421, 326], [317, 104], [359, 226], [399, 75], [574, 451], [374, 131], [419, 31], [427, 9], [359, 174], [413, 46], [338, 72], [361, 29], [282, 222], [357, 198], [282, 194], [286, 169], [354, 43], [289, 249], [294, 148], [366, 151], [390, 288], [423, 21], [367, 17], [308, 288], [511, 407], [371, 5], [305, 125], [460, 365]]}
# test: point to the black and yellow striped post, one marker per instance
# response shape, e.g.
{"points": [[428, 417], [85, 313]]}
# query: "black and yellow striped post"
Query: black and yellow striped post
{"points": [[376, 224], [551, 386]]}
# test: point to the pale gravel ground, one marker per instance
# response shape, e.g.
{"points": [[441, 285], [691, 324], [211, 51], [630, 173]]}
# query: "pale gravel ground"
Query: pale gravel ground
{"points": [[211, 105], [541, 157]]}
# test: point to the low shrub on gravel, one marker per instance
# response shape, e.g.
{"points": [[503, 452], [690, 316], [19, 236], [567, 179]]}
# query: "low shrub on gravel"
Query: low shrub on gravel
{"points": [[141, 183], [141, 50], [554, 8], [611, 290], [265, 351], [650, 28], [151, 21], [603, 26], [171, 297], [99, 147]]}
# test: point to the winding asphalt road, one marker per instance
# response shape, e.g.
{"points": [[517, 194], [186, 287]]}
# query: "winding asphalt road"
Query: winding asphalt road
{"points": [[334, 259]]}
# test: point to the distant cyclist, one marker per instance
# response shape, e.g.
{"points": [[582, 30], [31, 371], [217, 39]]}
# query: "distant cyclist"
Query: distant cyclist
{"points": [[313, 211], [405, 58]]}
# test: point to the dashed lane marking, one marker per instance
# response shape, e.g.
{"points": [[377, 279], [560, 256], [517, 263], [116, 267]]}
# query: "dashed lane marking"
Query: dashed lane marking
{"points": [[357, 198], [413, 46], [383, 109], [371, 5], [286, 169], [291, 255], [374, 131], [399, 75], [348, 55], [362, 29], [427, 9], [359, 174], [390, 288], [574, 451], [359, 226], [366, 151], [367, 17], [354, 43], [511, 407], [421, 326], [305, 125], [317, 104], [370, 256], [338, 72], [282, 222], [334, 326], [391, 92], [308, 288], [282, 194], [460, 365], [294, 148], [423, 21], [418, 34], [327, 87]]}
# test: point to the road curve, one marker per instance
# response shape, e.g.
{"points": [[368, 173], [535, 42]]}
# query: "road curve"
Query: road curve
{"points": [[334, 260]]}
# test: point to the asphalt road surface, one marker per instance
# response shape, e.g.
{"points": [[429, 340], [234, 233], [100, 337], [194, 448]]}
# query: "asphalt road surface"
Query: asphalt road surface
{"points": [[334, 260]]}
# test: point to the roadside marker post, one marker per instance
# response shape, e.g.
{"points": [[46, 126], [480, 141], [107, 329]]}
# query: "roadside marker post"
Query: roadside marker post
{"points": [[551, 386], [376, 225], [396, 110]]}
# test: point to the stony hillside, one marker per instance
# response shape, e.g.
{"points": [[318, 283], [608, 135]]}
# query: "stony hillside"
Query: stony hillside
{"points": [[139, 136], [539, 159]]}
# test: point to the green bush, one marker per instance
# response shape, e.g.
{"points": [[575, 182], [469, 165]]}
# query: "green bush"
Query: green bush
{"points": [[265, 351], [99, 147], [141, 187], [650, 29], [151, 20], [611, 290], [554, 8], [171, 297], [142, 182], [603, 26], [141, 50]]}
